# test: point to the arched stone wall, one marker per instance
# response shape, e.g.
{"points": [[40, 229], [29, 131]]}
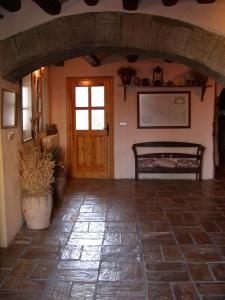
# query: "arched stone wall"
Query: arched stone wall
{"points": [[113, 32]]}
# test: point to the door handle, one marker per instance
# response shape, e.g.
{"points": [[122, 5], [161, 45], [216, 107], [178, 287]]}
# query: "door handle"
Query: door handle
{"points": [[107, 129]]}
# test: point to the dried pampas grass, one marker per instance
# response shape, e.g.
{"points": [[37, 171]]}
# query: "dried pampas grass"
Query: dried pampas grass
{"points": [[36, 170]]}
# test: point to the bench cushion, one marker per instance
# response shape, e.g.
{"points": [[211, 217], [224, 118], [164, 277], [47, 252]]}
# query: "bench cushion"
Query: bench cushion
{"points": [[166, 163], [147, 163], [187, 163]]}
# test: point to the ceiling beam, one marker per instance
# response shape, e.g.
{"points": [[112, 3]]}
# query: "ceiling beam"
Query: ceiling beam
{"points": [[52, 7], [92, 60], [130, 4], [11, 5], [205, 1], [91, 2], [169, 2]]}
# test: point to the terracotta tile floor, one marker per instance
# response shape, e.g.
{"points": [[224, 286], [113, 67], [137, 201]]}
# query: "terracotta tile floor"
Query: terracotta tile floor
{"points": [[123, 240]]}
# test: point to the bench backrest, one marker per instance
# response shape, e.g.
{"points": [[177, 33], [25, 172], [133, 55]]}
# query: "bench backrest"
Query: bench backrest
{"points": [[167, 144]]}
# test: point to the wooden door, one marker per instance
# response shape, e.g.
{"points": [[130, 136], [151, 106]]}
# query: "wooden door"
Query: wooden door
{"points": [[90, 127]]}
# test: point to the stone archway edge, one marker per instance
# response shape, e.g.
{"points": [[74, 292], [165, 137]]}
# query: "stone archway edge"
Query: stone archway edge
{"points": [[113, 32]]}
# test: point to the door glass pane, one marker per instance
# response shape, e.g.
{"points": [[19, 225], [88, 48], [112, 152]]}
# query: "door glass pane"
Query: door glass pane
{"points": [[98, 119], [81, 96], [82, 119], [97, 95]]}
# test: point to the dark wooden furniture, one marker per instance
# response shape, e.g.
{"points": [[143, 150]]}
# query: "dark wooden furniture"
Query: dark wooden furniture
{"points": [[195, 156]]}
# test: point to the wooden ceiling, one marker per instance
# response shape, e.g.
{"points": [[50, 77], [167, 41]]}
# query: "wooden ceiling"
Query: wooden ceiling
{"points": [[53, 7]]}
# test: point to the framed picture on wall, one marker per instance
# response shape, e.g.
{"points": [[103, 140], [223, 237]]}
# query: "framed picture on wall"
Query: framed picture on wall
{"points": [[26, 103], [164, 109], [40, 123], [8, 109], [39, 105], [39, 87]]}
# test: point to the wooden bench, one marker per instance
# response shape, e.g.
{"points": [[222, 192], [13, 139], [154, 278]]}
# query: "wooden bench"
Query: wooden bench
{"points": [[168, 161]]}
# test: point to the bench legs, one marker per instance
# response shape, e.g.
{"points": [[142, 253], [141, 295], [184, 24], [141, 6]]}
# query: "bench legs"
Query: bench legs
{"points": [[198, 176], [136, 176]]}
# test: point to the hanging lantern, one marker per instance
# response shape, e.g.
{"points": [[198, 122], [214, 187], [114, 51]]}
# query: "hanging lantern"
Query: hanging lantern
{"points": [[157, 76]]}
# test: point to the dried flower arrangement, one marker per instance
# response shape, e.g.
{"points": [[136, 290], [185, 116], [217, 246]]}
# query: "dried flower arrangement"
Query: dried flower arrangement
{"points": [[126, 74], [36, 170]]}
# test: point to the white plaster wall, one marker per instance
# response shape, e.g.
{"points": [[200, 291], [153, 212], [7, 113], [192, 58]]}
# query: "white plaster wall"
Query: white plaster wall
{"points": [[208, 16], [10, 200], [124, 137]]}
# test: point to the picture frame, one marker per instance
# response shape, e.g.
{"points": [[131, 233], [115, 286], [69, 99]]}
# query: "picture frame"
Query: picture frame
{"points": [[39, 105], [9, 108], [164, 109], [26, 108], [40, 124], [39, 86]]}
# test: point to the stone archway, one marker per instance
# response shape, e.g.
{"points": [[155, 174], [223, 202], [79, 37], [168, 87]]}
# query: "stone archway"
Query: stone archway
{"points": [[112, 32]]}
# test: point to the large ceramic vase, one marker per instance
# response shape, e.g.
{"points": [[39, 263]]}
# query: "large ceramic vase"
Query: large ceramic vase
{"points": [[37, 210]]}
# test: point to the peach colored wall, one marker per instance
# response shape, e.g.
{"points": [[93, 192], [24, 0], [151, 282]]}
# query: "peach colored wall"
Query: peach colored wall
{"points": [[10, 200], [124, 137], [209, 16]]}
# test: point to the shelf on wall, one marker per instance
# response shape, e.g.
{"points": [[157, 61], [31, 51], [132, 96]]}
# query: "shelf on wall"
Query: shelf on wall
{"points": [[203, 88]]}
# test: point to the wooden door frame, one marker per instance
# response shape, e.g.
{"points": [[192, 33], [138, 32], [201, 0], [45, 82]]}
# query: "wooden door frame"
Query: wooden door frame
{"points": [[111, 120]]}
